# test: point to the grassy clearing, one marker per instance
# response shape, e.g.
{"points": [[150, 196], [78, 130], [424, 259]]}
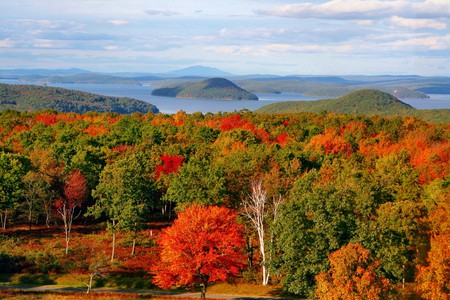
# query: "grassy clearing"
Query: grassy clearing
{"points": [[244, 289]]}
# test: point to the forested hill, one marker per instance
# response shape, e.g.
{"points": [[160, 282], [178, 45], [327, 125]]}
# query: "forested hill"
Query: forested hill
{"points": [[32, 97], [366, 102], [214, 88]]}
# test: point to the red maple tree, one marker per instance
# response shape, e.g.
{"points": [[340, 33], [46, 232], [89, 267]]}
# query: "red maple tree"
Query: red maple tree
{"points": [[74, 192], [203, 245], [170, 164]]}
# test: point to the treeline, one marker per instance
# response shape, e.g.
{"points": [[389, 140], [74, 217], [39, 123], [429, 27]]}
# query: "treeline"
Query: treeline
{"points": [[34, 98], [335, 186]]}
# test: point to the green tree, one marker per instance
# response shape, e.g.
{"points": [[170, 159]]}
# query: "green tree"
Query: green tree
{"points": [[12, 168], [124, 195], [198, 181], [322, 214]]}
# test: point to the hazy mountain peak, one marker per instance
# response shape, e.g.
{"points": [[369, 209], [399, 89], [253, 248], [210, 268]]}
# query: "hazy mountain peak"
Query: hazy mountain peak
{"points": [[200, 71]]}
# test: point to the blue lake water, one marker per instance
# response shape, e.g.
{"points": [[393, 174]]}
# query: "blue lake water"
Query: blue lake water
{"points": [[171, 105]]}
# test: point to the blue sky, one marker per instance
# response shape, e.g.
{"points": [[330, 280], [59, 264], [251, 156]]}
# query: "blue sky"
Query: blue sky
{"points": [[237, 36]]}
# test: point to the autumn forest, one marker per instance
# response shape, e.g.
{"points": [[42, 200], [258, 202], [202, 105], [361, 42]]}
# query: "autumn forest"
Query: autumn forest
{"points": [[326, 206]]}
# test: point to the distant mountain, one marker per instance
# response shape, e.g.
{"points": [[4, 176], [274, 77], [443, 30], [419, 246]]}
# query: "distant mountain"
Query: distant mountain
{"points": [[199, 71], [32, 97], [366, 102], [89, 78], [38, 73], [214, 88]]}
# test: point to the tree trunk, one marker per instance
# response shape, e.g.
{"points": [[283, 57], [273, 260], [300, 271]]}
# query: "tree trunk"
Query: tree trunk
{"points": [[113, 250], [133, 249], [30, 214], [91, 277], [66, 230], [203, 290], [4, 217]]}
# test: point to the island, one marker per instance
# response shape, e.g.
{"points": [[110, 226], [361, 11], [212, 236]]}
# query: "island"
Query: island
{"points": [[213, 88]]}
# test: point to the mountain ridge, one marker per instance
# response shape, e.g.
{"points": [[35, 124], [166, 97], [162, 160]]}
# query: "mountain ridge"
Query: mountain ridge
{"points": [[33, 97]]}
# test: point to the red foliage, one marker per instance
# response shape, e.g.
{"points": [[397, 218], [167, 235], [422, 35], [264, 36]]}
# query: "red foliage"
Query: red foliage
{"points": [[46, 119], [203, 245], [75, 189], [170, 164], [282, 139], [236, 122]]}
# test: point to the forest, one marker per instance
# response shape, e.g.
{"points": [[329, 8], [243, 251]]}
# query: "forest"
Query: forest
{"points": [[327, 206]]}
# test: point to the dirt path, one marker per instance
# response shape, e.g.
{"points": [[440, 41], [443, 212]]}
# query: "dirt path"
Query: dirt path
{"points": [[69, 289]]}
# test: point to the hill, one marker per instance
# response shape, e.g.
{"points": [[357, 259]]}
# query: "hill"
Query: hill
{"points": [[200, 71], [32, 97], [366, 102], [214, 88]]}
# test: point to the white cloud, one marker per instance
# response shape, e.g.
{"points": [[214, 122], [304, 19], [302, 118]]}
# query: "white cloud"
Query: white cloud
{"points": [[118, 22], [111, 48], [362, 9], [417, 24], [424, 43]]}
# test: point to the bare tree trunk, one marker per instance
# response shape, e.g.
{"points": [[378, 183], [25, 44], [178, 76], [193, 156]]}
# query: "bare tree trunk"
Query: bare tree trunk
{"points": [[89, 287], [255, 211], [114, 229]]}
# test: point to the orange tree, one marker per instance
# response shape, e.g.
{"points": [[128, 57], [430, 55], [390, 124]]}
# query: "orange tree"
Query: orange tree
{"points": [[352, 276], [434, 279], [203, 245]]}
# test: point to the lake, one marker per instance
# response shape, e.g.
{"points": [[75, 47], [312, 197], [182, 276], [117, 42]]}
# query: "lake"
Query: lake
{"points": [[171, 105]]}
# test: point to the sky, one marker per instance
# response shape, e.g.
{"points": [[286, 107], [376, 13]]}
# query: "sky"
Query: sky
{"points": [[311, 37]]}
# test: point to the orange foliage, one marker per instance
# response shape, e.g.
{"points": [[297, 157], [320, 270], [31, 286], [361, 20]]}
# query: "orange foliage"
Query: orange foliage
{"points": [[330, 143], [203, 245], [352, 276], [95, 130], [430, 158], [434, 280]]}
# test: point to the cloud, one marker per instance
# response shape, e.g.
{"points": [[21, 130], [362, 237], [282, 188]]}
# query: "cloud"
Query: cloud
{"points": [[118, 22], [362, 9], [111, 48], [417, 24], [165, 13], [424, 43]]}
